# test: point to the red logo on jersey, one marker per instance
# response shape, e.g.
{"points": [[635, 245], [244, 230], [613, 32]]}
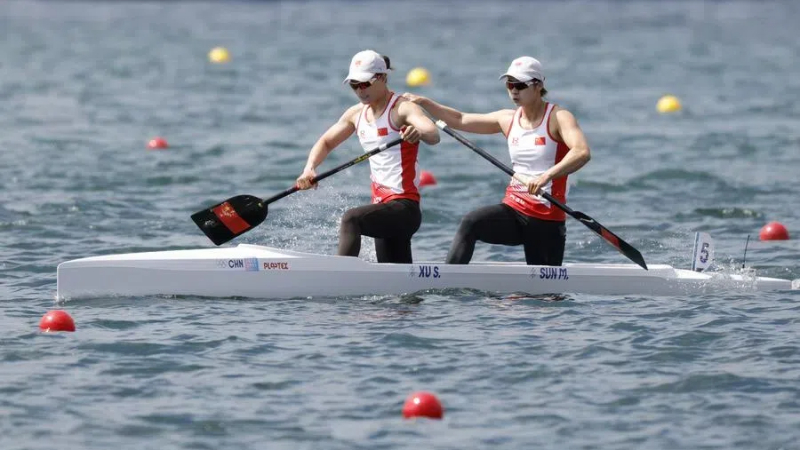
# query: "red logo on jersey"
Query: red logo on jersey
{"points": [[383, 132], [538, 140], [515, 141]]}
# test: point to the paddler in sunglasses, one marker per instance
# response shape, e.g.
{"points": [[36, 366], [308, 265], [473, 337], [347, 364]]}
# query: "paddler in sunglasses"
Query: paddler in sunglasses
{"points": [[381, 116], [546, 144]]}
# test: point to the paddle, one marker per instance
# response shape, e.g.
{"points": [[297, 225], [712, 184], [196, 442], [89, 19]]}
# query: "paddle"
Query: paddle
{"points": [[238, 215], [626, 249]]}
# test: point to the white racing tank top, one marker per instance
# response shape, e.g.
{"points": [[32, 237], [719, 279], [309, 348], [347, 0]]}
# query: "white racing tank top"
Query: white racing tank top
{"points": [[532, 153], [394, 171]]}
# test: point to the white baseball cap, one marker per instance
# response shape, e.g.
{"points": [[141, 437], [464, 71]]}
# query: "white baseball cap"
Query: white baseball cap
{"points": [[365, 65], [524, 69]]}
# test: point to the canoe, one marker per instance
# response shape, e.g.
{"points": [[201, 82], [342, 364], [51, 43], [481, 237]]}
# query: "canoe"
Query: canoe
{"points": [[255, 271]]}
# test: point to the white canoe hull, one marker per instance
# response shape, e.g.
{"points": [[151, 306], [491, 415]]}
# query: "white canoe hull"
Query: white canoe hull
{"points": [[264, 272]]}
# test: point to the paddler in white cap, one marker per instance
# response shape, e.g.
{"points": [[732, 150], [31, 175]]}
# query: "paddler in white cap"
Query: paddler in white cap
{"points": [[380, 117], [545, 144]]}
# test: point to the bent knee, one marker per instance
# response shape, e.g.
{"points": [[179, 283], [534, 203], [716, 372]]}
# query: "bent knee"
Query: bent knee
{"points": [[350, 218], [469, 223]]}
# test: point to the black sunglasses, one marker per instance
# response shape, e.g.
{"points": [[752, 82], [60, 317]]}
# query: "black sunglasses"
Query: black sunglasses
{"points": [[519, 85], [362, 85]]}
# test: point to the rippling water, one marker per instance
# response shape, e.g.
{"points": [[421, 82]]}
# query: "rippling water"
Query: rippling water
{"points": [[83, 86]]}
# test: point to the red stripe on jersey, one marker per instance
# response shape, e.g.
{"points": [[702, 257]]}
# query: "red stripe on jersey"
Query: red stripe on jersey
{"points": [[408, 158], [559, 187]]}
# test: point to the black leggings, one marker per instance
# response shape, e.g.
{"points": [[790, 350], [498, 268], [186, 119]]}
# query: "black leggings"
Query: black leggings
{"points": [[391, 224], [543, 240]]}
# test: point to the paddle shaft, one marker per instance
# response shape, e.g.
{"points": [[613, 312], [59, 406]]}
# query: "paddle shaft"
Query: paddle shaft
{"points": [[335, 170]]}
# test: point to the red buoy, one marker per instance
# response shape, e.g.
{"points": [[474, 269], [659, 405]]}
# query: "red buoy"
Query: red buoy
{"points": [[773, 231], [423, 404], [157, 143], [426, 179], [56, 320]]}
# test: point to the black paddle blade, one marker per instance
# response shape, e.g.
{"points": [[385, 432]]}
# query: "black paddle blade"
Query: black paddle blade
{"points": [[617, 242], [233, 217]]}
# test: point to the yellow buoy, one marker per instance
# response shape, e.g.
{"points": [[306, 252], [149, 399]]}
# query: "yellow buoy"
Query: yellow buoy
{"points": [[418, 76], [219, 55], [668, 104]]}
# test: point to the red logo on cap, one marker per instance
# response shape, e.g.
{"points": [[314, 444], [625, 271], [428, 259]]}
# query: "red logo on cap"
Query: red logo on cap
{"points": [[518, 63], [357, 63]]}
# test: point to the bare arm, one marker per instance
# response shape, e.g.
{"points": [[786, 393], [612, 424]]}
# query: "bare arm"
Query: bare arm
{"points": [[489, 123], [572, 135], [332, 137], [329, 140], [412, 115]]}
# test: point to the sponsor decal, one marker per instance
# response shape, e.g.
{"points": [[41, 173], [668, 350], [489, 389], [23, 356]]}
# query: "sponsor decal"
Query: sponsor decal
{"points": [[251, 264], [553, 273], [247, 264], [275, 265]]}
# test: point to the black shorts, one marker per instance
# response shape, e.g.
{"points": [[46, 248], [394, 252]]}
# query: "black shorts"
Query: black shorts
{"points": [[391, 224], [542, 240]]}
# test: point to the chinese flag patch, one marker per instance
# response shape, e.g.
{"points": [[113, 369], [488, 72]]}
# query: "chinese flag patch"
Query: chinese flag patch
{"points": [[230, 218], [383, 132], [539, 140]]}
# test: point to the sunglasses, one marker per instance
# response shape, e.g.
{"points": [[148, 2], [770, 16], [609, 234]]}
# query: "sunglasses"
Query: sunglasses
{"points": [[356, 85], [519, 85]]}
